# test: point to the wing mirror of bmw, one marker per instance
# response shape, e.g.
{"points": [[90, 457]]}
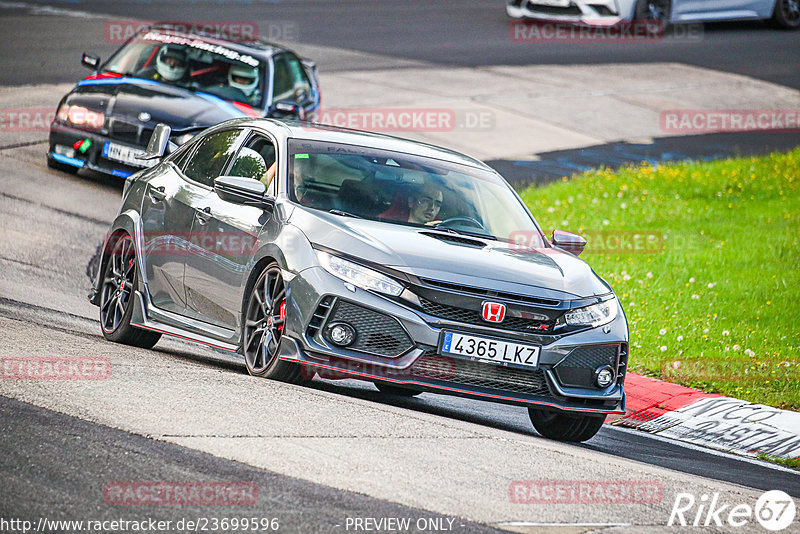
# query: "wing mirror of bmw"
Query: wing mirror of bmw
{"points": [[568, 242], [89, 61], [245, 191]]}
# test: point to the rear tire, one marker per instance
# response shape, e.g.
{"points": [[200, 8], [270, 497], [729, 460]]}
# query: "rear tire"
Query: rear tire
{"points": [[118, 289], [390, 389], [265, 316], [565, 427], [786, 14]]}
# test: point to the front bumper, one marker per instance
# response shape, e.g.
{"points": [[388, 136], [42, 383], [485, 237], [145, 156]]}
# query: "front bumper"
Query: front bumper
{"points": [[585, 12], [94, 158], [401, 347]]}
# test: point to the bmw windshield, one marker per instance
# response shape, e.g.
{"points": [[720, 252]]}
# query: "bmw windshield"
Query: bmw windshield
{"points": [[405, 189], [193, 64]]}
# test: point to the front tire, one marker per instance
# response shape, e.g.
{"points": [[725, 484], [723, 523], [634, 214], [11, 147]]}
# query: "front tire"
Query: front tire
{"points": [[265, 317], [565, 427], [118, 289], [787, 14]]}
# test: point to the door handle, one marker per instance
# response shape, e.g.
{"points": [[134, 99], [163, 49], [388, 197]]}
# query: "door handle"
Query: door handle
{"points": [[157, 194], [203, 215]]}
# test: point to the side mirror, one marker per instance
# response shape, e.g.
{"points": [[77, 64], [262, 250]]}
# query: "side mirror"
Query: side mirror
{"points": [[568, 242], [241, 190], [89, 61], [286, 109], [158, 143]]}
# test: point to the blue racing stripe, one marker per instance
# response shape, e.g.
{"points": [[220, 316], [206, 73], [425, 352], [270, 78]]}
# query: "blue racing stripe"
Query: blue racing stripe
{"points": [[75, 162], [118, 81]]}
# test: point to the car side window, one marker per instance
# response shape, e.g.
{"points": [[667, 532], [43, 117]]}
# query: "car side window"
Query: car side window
{"points": [[290, 79], [212, 155], [257, 160], [180, 159]]}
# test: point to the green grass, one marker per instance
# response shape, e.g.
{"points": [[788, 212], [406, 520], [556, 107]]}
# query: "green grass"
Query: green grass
{"points": [[716, 304], [793, 463]]}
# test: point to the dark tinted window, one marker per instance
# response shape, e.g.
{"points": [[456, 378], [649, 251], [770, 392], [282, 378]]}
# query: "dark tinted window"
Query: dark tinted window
{"points": [[291, 81], [211, 156]]}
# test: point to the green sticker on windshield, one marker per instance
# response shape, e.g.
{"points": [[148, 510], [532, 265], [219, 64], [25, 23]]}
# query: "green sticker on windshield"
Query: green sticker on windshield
{"points": [[301, 156]]}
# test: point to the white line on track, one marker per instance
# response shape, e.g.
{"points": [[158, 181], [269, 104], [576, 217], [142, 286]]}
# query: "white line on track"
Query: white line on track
{"points": [[708, 450]]}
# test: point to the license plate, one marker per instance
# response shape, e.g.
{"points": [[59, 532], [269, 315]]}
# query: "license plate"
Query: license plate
{"points": [[125, 154], [491, 350]]}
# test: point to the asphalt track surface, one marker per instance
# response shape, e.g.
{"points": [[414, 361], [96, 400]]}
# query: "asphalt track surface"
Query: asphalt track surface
{"points": [[57, 464]]}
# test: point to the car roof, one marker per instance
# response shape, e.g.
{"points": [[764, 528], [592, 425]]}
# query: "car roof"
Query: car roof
{"points": [[258, 47], [334, 134]]}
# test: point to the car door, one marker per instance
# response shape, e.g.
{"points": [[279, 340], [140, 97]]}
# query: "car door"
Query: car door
{"points": [[214, 276], [291, 83], [167, 215]]}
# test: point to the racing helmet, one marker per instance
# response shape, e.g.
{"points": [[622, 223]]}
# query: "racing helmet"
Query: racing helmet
{"points": [[244, 78], [171, 63], [249, 164]]}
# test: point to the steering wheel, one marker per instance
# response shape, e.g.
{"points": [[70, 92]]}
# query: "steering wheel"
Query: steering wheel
{"points": [[469, 220]]}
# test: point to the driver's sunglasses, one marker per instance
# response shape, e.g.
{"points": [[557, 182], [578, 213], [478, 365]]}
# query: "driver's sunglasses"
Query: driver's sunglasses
{"points": [[427, 202]]}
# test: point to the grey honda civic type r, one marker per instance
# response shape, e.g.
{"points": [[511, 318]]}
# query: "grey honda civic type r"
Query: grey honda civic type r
{"points": [[318, 251]]}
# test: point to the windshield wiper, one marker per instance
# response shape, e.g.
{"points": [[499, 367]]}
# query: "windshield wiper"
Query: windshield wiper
{"points": [[464, 232], [345, 214]]}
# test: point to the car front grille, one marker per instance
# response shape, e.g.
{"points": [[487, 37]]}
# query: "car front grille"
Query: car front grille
{"points": [[478, 374], [577, 369], [572, 9], [463, 315], [128, 132], [376, 333]]}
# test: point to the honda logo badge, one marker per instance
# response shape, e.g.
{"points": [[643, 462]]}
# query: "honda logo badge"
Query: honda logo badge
{"points": [[493, 312]]}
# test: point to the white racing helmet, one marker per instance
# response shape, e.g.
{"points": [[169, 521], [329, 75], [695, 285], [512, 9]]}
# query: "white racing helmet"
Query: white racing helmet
{"points": [[244, 78], [171, 63]]}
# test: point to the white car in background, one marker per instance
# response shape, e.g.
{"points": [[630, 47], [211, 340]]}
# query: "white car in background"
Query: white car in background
{"points": [[784, 13]]}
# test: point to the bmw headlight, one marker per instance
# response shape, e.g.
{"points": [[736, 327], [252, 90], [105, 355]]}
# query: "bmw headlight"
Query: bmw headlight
{"points": [[594, 315], [358, 275]]}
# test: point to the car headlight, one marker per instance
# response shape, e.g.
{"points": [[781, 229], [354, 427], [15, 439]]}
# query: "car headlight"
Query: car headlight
{"points": [[81, 116], [594, 315], [358, 275]]}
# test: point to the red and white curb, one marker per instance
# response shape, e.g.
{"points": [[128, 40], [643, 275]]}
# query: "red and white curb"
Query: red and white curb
{"points": [[724, 423]]}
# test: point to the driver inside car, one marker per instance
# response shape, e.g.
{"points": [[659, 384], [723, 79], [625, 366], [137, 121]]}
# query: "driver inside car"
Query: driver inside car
{"points": [[424, 204]]}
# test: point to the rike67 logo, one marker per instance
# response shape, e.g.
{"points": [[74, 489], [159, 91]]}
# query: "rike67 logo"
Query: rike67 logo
{"points": [[774, 510]]}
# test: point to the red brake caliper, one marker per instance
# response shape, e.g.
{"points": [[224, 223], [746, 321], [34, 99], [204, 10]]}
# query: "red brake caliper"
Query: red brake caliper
{"points": [[283, 315]]}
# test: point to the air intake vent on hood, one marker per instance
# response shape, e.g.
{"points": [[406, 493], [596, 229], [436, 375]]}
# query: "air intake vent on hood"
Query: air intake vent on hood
{"points": [[455, 239]]}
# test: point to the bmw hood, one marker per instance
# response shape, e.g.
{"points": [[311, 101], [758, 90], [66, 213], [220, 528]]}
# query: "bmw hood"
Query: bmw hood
{"points": [[147, 103], [426, 253]]}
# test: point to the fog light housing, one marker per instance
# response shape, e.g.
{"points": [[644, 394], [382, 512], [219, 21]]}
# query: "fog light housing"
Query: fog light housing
{"points": [[604, 376], [341, 334]]}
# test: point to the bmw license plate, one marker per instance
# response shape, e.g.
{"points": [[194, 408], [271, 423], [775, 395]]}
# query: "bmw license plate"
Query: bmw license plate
{"points": [[490, 350], [125, 154]]}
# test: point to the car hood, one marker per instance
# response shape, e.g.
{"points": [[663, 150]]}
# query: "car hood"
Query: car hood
{"points": [[547, 272], [133, 99]]}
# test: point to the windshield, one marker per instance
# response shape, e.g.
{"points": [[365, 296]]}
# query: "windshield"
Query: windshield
{"points": [[406, 189], [192, 64]]}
